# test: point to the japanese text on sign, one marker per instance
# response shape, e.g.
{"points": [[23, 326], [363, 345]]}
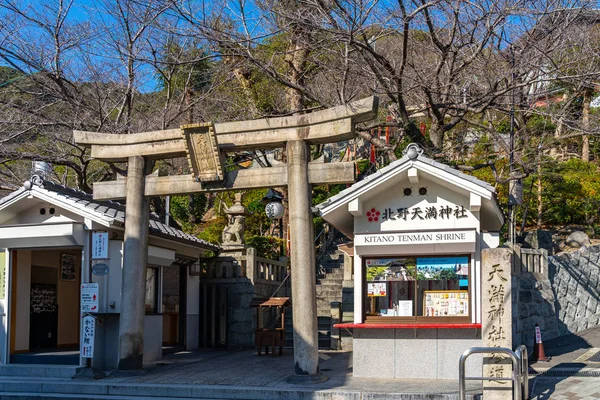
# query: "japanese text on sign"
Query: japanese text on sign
{"points": [[99, 245], [420, 213], [87, 340], [89, 297]]}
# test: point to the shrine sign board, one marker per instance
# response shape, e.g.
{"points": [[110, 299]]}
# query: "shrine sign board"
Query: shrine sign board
{"points": [[99, 245], [87, 340], [496, 319], [204, 157]]}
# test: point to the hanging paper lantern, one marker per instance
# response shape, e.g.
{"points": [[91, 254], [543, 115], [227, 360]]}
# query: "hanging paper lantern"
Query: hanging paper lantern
{"points": [[274, 210]]}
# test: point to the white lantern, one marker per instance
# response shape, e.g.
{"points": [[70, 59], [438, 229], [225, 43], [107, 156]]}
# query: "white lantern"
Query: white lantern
{"points": [[274, 210]]}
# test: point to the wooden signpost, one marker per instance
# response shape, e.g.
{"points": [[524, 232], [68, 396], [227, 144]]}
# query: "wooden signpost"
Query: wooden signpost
{"points": [[205, 145]]}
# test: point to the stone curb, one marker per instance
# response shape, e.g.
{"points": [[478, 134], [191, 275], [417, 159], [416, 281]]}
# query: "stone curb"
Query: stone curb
{"points": [[91, 390]]}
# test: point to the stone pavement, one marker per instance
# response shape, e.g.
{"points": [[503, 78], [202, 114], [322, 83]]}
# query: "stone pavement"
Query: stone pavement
{"points": [[226, 374], [570, 374]]}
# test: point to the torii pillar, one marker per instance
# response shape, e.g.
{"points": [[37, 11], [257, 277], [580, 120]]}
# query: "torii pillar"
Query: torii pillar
{"points": [[135, 258], [302, 248], [204, 146]]}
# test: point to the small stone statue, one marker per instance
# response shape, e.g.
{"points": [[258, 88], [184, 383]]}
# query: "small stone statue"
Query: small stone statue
{"points": [[233, 234]]}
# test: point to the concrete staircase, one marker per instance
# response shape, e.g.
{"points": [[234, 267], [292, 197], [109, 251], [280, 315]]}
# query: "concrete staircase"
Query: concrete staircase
{"points": [[329, 289], [39, 370], [324, 327]]}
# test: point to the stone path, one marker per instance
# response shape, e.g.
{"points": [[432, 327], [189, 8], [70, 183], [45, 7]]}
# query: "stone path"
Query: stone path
{"points": [[560, 388], [569, 374]]}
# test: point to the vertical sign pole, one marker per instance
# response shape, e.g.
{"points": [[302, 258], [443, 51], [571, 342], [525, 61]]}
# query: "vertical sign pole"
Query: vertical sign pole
{"points": [[304, 303], [135, 257]]}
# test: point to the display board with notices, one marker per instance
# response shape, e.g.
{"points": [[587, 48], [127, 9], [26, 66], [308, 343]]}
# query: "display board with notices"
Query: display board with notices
{"points": [[377, 289], [446, 303]]}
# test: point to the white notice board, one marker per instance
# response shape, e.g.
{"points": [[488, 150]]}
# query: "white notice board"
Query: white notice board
{"points": [[87, 341], [89, 297], [99, 245]]}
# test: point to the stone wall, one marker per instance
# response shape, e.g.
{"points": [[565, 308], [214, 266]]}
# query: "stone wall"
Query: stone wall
{"points": [[564, 300], [241, 319], [575, 278]]}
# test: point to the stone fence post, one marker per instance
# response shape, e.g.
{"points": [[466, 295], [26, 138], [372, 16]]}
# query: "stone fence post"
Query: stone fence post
{"points": [[251, 263], [496, 319]]}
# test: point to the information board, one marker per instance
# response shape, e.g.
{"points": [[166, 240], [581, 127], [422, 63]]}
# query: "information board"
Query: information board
{"points": [[377, 289], [99, 245], [87, 341], [446, 303], [89, 297]]}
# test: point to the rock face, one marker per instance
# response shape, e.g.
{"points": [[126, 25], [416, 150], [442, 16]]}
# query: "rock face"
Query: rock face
{"points": [[578, 239], [540, 239]]}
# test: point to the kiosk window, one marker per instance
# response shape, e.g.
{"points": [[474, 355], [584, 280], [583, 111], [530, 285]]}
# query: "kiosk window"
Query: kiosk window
{"points": [[417, 287]]}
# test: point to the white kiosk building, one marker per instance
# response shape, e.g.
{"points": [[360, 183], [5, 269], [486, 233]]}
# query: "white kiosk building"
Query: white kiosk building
{"points": [[418, 228], [46, 233]]}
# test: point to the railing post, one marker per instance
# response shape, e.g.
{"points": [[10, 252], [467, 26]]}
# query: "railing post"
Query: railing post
{"points": [[522, 355], [516, 362]]}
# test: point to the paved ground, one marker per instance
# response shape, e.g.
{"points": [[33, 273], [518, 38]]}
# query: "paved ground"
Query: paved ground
{"points": [[215, 373], [569, 374], [227, 374], [245, 368]]}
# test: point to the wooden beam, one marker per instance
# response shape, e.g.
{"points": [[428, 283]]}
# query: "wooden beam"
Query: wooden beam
{"points": [[326, 126], [254, 178]]}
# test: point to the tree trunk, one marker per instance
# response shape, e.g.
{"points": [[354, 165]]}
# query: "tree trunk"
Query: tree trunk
{"points": [[540, 207], [244, 81], [585, 125], [436, 135], [556, 149], [296, 59]]}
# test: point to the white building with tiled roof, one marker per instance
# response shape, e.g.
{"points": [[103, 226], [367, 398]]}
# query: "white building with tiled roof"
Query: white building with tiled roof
{"points": [[418, 228], [48, 237]]}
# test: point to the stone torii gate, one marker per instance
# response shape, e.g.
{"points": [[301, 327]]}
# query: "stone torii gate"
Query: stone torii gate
{"points": [[204, 145]]}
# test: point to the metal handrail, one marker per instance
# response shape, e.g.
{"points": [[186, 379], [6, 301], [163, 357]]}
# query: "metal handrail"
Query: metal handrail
{"points": [[516, 375], [521, 353]]}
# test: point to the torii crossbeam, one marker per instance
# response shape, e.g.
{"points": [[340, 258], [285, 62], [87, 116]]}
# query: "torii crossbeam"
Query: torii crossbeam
{"points": [[204, 146]]}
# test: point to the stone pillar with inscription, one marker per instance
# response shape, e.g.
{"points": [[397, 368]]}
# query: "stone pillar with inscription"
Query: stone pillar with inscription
{"points": [[496, 308]]}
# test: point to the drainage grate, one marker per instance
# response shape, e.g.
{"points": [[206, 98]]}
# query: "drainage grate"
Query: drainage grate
{"points": [[595, 357], [569, 373]]}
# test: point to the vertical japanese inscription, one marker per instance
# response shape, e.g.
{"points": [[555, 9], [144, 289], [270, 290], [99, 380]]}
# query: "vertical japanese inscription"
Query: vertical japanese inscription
{"points": [[496, 320], [203, 152]]}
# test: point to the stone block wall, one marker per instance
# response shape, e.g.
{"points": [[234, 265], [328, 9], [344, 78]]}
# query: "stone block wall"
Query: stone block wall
{"points": [[563, 301], [575, 278], [533, 303], [241, 319]]}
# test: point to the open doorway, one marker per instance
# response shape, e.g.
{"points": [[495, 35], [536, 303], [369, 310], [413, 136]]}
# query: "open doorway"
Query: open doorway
{"points": [[174, 307], [44, 313]]}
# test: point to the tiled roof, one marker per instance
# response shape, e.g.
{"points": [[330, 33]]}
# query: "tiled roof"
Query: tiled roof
{"points": [[396, 164], [111, 209]]}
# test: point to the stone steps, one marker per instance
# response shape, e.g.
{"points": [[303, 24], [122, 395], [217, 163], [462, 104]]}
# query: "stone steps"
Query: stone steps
{"points": [[39, 370], [128, 391]]}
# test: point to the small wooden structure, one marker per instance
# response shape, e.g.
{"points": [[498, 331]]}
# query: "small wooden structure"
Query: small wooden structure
{"points": [[272, 336]]}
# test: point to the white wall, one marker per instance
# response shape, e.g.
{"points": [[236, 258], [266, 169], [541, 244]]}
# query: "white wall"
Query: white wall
{"points": [[22, 299], [152, 338], [393, 198], [193, 312], [33, 216]]}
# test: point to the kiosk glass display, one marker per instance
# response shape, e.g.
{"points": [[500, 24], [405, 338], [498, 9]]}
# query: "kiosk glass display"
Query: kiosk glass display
{"points": [[417, 288]]}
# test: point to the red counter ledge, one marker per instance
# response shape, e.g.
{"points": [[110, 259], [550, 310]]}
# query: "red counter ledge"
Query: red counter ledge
{"points": [[406, 326]]}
